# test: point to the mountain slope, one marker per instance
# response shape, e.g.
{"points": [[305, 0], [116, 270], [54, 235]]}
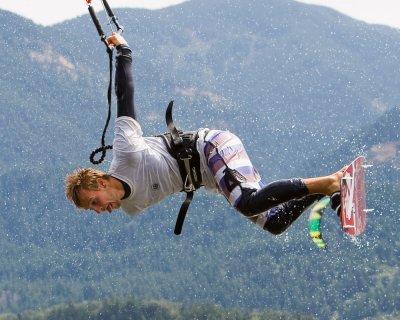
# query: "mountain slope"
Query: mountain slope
{"points": [[292, 80]]}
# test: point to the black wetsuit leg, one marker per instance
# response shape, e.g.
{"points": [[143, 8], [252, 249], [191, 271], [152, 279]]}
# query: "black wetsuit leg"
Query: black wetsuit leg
{"points": [[282, 202], [279, 218]]}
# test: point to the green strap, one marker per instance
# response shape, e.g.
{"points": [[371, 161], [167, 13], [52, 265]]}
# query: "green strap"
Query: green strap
{"points": [[314, 222]]}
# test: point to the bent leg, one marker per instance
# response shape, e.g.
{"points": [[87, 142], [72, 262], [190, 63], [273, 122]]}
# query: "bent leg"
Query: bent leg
{"points": [[254, 201], [279, 218], [277, 205]]}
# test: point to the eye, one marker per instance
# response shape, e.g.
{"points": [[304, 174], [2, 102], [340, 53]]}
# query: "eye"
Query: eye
{"points": [[92, 203]]}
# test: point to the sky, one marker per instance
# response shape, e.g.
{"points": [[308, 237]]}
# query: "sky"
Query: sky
{"points": [[48, 12]]}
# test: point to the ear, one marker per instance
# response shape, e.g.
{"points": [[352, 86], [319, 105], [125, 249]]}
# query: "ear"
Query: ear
{"points": [[101, 182]]}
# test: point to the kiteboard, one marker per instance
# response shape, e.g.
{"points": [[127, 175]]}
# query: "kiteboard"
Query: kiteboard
{"points": [[353, 199]]}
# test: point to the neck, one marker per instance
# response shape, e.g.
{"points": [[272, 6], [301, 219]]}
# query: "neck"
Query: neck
{"points": [[121, 187], [116, 184]]}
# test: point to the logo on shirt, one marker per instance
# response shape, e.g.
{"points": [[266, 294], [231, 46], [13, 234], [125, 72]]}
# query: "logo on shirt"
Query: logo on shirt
{"points": [[155, 186]]}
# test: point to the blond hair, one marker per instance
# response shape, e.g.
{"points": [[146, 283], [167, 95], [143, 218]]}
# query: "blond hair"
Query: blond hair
{"points": [[82, 179]]}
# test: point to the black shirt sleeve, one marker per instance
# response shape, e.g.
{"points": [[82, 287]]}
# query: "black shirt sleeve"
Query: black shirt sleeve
{"points": [[124, 87]]}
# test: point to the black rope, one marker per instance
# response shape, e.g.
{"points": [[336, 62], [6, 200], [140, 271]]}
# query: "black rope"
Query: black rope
{"points": [[103, 149]]}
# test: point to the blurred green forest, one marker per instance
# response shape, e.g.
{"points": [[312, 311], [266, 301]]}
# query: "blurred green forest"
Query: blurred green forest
{"points": [[133, 309], [306, 89]]}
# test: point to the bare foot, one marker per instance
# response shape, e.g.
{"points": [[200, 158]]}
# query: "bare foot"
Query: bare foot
{"points": [[325, 185], [336, 180]]}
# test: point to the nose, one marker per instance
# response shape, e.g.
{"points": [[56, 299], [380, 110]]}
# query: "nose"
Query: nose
{"points": [[98, 209]]}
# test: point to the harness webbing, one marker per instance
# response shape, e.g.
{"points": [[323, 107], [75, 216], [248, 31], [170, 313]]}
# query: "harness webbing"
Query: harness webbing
{"points": [[182, 146]]}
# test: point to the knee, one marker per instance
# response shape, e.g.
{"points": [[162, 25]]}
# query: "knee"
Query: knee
{"points": [[273, 220], [274, 228], [244, 210], [277, 220], [246, 204]]}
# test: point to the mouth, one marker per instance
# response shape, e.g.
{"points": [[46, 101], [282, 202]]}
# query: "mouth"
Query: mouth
{"points": [[109, 208]]}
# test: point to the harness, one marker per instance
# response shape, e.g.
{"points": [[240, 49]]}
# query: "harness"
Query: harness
{"points": [[182, 146]]}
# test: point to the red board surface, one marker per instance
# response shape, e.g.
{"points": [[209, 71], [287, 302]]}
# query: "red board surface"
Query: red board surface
{"points": [[353, 201]]}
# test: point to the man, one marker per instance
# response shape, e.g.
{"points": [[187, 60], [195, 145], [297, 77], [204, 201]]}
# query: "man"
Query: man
{"points": [[143, 171]]}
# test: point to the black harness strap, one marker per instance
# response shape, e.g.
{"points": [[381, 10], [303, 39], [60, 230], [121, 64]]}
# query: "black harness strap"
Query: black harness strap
{"points": [[182, 213], [182, 146]]}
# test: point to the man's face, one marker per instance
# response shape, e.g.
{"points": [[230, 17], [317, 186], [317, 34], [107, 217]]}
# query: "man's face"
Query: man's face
{"points": [[101, 200]]}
